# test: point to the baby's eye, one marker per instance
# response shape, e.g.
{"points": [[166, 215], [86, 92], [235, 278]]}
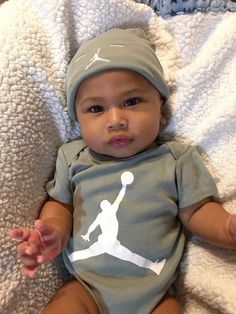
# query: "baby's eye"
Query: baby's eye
{"points": [[132, 101], [96, 109]]}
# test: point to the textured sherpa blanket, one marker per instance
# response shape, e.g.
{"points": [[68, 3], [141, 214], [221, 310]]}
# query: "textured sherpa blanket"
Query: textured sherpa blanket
{"points": [[37, 39]]}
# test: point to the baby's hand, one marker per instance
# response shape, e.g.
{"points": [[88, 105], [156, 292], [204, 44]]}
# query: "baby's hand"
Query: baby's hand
{"points": [[37, 246], [232, 228]]}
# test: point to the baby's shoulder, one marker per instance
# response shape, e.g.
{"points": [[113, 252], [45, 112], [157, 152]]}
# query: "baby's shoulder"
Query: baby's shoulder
{"points": [[178, 149], [72, 149]]}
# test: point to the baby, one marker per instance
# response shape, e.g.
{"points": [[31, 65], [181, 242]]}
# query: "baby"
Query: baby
{"points": [[119, 196]]}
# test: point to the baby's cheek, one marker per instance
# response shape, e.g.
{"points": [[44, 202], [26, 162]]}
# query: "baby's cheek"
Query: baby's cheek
{"points": [[91, 137]]}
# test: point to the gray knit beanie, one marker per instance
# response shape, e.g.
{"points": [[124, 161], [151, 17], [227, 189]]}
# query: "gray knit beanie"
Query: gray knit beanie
{"points": [[117, 48]]}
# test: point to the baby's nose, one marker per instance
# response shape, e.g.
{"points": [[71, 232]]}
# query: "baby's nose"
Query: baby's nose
{"points": [[117, 119]]}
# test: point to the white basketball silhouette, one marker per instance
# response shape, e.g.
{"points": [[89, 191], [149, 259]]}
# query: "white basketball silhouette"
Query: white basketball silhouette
{"points": [[108, 242], [105, 204], [127, 178]]}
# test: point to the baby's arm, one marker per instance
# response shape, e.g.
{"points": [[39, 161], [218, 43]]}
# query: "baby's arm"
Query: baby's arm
{"points": [[91, 228], [49, 237], [210, 221]]}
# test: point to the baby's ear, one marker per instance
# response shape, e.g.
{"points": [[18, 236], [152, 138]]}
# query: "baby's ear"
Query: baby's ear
{"points": [[163, 100], [162, 121]]}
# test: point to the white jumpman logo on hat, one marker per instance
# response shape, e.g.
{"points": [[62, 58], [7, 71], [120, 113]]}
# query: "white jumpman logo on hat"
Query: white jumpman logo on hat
{"points": [[96, 58], [107, 241]]}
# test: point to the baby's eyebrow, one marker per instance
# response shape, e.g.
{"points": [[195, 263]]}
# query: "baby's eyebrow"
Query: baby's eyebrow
{"points": [[90, 100], [134, 91]]}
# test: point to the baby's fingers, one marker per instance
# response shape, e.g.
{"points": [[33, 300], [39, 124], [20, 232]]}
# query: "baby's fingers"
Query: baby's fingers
{"points": [[29, 272], [49, 253], [20, 234], [30, 265], [26, 248], [22, 248], [29, 261]]}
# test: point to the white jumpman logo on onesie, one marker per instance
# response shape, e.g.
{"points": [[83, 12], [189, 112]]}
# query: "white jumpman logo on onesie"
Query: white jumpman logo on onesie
{"points": [[107, 241], [96, 58]]}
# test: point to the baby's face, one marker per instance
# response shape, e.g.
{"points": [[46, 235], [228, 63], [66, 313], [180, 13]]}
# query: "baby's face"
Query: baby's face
{"points": [[119, 113]]}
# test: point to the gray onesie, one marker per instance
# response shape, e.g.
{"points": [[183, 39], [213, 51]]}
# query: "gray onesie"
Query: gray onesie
{"points": [[127, 240]]}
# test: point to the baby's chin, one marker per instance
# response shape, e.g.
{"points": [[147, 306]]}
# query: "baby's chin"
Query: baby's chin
{"points": [[121, 148], [125, 153]]}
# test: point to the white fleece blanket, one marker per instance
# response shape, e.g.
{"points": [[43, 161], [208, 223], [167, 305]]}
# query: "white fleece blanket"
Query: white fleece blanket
{"points": [[37, 39]]}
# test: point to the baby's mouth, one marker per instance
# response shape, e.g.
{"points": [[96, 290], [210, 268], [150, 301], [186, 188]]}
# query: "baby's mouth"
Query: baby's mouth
{"points": [[120, 141]]}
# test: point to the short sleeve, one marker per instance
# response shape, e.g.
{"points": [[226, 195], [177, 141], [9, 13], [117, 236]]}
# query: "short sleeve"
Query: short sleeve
{"points": [[194, 182], [59, 187]]}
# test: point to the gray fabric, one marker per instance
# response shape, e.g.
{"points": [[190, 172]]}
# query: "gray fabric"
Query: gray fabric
{"points": [[147, 221], [129, 49]]}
